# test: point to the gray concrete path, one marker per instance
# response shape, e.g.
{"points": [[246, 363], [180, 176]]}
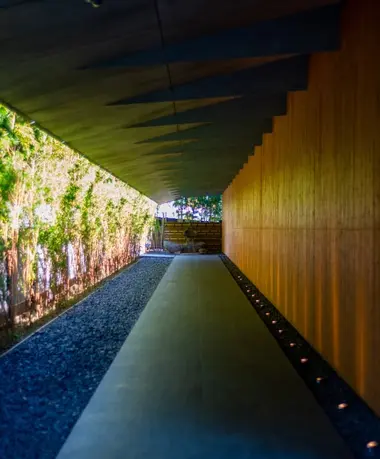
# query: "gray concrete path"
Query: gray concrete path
{"points": [[200, 377]]}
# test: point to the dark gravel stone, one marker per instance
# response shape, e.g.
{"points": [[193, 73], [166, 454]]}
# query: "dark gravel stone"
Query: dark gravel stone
{"points": [[46, 381]]}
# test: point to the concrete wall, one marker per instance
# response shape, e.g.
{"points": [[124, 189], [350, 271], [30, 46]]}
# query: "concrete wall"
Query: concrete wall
{"points": [[301, 219]]}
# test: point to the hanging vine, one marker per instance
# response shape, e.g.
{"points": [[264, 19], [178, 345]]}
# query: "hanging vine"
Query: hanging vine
{"points": [[64, 223]]}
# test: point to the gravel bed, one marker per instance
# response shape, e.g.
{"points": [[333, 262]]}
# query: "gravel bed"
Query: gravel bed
{"points": [[46, 381]]}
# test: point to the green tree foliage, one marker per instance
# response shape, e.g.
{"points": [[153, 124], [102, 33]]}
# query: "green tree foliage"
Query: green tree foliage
{"points": [[64, 222], [202, 208]]}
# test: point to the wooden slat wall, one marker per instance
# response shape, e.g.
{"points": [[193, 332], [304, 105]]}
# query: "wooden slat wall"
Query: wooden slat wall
{"points": [[301, 219], [208, 232]]}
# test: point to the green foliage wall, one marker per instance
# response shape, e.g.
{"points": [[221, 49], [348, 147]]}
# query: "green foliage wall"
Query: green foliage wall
{"points": [[63, 220], [201, 208]]}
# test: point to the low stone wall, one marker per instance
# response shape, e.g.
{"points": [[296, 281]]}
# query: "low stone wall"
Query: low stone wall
{"points": [[209, 233]]}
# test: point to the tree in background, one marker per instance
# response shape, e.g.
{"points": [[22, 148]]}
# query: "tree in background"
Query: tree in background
{"points": [[180, 204], [201, 208]]}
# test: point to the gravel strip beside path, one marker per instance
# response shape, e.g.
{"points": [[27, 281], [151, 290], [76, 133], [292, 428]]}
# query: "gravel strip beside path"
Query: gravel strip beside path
{"points": [[46, 382]]}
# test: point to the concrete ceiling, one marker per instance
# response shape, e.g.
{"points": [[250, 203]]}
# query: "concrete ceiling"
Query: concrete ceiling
{"points": [[170, 96]]}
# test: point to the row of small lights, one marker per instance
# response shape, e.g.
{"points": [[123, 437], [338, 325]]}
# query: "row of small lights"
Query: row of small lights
{"points": [[370, 445]]}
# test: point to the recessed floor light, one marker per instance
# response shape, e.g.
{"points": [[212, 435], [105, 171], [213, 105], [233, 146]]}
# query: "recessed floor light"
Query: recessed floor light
{"points": [[342, 406], [372, 444], [304, 360], [292, 344]]}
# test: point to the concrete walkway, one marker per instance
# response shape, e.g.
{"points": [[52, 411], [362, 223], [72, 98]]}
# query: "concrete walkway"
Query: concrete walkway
{"points": [[200, 377]]}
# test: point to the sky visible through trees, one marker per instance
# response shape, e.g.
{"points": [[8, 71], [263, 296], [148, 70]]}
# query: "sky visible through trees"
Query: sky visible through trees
{"points": [[203, 208]]}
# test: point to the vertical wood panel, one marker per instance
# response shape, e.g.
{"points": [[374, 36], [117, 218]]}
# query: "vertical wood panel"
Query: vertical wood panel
{"points": [[302, 218]]}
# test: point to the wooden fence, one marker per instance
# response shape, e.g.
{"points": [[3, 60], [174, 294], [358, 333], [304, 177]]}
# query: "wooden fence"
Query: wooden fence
{"points": [[174, 231]]}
